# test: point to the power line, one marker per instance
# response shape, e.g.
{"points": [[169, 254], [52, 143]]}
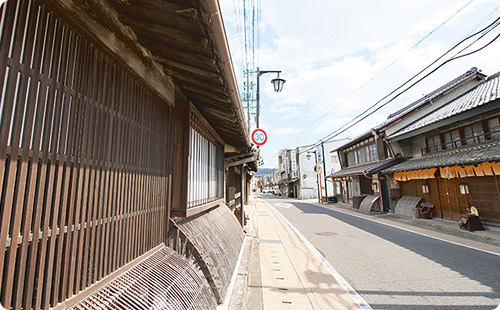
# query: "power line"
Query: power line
{"points": [[384, 69], [361, 116]]}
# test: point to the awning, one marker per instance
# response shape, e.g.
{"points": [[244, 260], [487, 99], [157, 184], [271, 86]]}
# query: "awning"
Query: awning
{"points": [[449, 172], [414, 175], [463, 157], [367, 168]]}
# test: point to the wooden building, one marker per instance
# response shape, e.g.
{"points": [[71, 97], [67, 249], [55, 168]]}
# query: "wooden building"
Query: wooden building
{"points": [[120, 123], [364, 159], [454, 155]]}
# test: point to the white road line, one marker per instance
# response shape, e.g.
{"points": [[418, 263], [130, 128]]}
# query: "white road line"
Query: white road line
{"points": [[409, 230], [283, 205], [347, 287]]}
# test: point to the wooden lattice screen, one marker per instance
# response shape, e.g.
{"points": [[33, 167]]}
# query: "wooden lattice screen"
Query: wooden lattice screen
{"points": [[206, 164], [84, 161]]}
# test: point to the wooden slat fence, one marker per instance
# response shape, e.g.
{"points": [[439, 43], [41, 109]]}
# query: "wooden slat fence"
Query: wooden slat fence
{"points": [[84, 161]]}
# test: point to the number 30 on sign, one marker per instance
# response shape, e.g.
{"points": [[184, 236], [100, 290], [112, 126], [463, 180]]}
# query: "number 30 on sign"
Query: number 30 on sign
{"points": [[259, 136]]}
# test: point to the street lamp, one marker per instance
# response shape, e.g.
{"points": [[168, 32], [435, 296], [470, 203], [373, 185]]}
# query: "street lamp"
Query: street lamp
{"points": [[278, 86], [278, 83]]}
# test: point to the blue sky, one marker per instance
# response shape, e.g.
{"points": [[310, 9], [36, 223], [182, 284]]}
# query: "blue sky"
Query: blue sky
{"points": [[340, 57]]}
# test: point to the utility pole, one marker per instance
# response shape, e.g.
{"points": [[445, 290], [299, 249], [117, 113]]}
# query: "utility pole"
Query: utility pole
{"points": [[324, 169]]}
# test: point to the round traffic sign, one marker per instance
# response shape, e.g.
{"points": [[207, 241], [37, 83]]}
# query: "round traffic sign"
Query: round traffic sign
{"points": [[318, 169], [259, 136]]}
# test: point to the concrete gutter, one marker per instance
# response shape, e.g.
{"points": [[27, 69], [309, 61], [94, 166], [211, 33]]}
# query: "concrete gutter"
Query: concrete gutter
{"points": [[217, 33]]}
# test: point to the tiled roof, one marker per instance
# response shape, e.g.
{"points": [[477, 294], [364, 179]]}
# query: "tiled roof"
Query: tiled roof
{"points": [[480, 95], [369, 168], [463, 156], [432, 95], [414, 105]]}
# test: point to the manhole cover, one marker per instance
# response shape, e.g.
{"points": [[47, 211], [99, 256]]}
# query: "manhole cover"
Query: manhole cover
{"points": [[326, 233]]}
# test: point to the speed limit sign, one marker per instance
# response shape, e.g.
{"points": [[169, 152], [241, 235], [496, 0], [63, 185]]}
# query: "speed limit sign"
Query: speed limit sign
{"points": [[259, 136]]}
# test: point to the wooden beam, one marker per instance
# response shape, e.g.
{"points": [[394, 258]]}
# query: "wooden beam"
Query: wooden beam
{"points": [[199, 209], [230, 135], [100, 21], [204, 121], [202, 95], [211, 90], [188, 12], [215, 113], [155, 31], [187, 68], [184, 56], [216, 108]]}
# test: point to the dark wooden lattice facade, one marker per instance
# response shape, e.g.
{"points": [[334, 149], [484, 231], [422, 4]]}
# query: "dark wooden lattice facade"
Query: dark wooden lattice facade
{"points": [[84, 161], [94, 157], [450, 203]]}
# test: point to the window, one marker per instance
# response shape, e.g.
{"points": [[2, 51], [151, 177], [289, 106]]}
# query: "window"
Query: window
{"points": [[334, 159], [478, 132], [350, 159], [473, 133], [467, 135], [373, 152], [356, 156], [433, 143], [494, 128], [206, 166], [451, 139]]}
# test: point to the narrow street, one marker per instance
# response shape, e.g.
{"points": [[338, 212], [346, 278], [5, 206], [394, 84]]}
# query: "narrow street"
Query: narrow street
{"points": [[392, 268]]}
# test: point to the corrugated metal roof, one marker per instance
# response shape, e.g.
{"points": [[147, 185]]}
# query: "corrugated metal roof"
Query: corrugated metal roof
{"points": [[480, 95], [463, 156]]}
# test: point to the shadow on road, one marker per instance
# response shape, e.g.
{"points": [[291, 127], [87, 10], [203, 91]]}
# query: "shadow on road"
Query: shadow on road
{"points": [[460, 259]]}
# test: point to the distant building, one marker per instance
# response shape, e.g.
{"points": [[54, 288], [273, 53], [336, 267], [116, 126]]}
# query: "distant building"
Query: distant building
{"points": [[296, 168]]}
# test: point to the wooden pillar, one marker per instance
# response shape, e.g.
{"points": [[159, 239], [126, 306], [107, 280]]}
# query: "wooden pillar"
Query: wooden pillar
{"points": [[180, 155], [242, 194]]}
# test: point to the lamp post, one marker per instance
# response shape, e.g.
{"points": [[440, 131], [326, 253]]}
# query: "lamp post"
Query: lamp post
{"points": [[277, 83]]}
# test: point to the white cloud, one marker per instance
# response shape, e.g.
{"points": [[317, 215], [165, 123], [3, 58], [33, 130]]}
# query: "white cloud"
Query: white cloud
{"points": [[328, 50]]}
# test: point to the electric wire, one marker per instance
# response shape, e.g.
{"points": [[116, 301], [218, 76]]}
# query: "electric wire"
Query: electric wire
{"points": [[248, 23], [361, 116], [495, 24], [385, 68]]}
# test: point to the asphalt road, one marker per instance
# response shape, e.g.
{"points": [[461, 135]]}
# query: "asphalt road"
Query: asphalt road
{"points": [[393, 268]]}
